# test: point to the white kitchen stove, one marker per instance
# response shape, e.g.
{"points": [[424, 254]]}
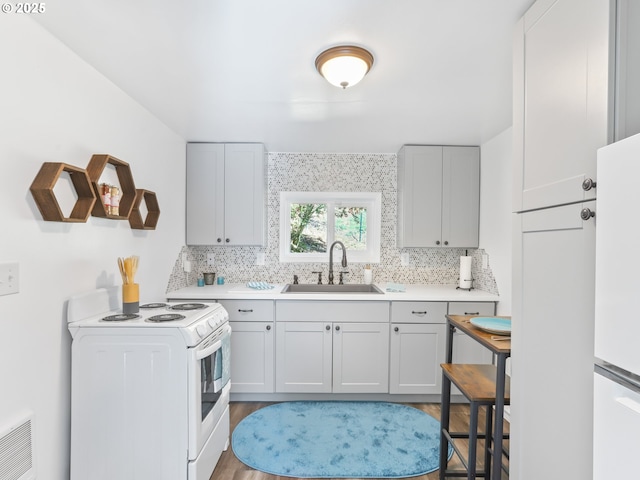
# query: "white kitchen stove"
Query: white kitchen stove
{"points": [[149, 391], [194, 320]]}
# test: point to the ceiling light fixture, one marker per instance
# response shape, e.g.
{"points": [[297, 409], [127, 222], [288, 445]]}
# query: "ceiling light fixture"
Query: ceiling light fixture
{"points": [[345, 65]]}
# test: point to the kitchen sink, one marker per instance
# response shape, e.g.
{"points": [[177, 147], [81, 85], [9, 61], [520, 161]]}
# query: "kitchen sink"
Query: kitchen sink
{"points": [[314, 288]]}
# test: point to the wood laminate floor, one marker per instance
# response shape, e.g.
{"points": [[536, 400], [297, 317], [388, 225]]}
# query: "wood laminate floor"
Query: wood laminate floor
{"points": [[230, 468]]}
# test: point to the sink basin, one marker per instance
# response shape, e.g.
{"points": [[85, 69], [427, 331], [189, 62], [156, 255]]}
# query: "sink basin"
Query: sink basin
{"points": [[314, 288]]}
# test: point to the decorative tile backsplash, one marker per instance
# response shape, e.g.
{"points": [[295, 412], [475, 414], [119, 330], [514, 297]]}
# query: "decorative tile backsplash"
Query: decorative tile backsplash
{"points": [[332, 172]]}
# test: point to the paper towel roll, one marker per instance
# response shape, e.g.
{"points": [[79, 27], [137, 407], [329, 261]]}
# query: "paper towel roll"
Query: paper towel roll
{"points": [[465, 272]]}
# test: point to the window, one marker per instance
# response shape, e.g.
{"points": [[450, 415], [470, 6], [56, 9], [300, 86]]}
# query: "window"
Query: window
{"points": [[311, 221]]}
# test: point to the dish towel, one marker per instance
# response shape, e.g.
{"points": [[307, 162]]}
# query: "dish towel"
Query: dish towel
{"points": [[396, 287], [260, 285]]}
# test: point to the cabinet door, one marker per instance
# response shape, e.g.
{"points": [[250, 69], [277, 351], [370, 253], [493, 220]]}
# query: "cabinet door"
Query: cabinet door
{"points": [[252, 357], [419, 196], [303, 357], [460, 197], [417, 350], [205, 193], [552, 343], [245, 200], [561, 98], [465, 349], [360, 358]]}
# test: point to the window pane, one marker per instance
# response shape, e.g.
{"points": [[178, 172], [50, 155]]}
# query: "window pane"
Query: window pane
{"points": [[351, 227], [308, 227]]}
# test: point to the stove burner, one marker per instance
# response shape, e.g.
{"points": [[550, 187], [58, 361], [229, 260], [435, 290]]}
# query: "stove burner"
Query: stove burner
{"points": [[120, 317], [187, 306], [165, 317], [153, 305]]}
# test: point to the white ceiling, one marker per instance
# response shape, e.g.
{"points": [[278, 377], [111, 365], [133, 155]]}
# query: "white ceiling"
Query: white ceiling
{"points": [[243, 70]]}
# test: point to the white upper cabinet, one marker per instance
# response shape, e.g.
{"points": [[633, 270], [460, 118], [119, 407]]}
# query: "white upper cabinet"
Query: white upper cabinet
{"points": [[226, 194], [438, 196], [562, 93]]}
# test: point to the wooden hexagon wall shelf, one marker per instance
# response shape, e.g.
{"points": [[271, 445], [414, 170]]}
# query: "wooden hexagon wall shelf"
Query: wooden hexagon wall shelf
{"points": [[153, 211], [95, 168], [42, 191]]}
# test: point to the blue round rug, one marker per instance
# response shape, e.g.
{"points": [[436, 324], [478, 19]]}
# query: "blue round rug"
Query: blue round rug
{"points": [[337, 439]]}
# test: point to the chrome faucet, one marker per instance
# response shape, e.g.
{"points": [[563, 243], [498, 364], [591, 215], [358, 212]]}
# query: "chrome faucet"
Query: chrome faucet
{"points": [[344, 259]]}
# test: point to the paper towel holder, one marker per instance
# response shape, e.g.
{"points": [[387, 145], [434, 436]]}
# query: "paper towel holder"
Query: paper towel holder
{"points": [[467, 289]]}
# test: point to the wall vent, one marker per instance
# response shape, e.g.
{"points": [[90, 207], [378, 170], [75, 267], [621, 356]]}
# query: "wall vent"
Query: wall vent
{"points": [[16, 450]]}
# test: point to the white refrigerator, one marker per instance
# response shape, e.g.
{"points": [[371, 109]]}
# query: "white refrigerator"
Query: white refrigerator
{"points": [[617, 313]]}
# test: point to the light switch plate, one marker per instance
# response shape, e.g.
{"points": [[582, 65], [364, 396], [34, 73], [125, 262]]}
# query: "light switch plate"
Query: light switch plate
{"points": [[210, 259], [260, 258], [404, 259], [485, 261], [9, 278]]}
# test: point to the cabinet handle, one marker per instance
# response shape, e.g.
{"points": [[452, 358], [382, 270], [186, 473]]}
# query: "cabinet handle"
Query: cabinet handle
{"points": [[245, 311], [219, 240], [587, 213], [396, 329], [226, 240], [472, 313], [437, 242], [446, 242], [327, 327], [268, 327], [337, 328], [413, 312], [588, 184]]}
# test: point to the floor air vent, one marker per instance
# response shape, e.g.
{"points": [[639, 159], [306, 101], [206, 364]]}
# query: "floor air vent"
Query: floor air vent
{"points": [[16, 450]]}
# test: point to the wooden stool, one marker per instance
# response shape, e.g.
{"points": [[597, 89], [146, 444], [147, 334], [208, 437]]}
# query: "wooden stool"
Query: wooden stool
{"points": [[478, 384]]}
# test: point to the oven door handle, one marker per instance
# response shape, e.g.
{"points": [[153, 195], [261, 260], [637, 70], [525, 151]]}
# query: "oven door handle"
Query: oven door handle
{"points": [[205, 352]]}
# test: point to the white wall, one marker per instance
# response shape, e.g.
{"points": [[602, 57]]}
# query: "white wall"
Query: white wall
{"points": [[495, 212], [56, 108]]}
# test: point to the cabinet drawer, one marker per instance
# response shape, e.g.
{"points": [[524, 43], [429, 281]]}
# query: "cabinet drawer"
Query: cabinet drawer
{"points": [[328, 311], [418, 312], [472, 308], [248, 310]]}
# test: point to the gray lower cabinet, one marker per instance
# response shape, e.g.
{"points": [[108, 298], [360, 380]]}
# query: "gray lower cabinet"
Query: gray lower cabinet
{"points": [[328, 347], [417, 344], [252, 345], [324, 347], [466, 350]]}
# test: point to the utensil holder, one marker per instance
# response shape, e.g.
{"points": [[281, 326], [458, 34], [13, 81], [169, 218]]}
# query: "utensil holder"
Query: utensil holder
{"points": [[131, 298], [208, 278]]}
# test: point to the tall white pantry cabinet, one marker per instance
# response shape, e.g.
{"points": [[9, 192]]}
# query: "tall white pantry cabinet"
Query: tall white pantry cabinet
{"points": [[562, 96]]}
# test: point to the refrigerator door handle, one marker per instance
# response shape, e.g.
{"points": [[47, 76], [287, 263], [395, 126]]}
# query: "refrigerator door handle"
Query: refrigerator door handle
{"points": [[618, 375]]}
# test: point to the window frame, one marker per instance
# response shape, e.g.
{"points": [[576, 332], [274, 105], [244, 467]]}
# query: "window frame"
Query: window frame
{"points": [[371, 200]]}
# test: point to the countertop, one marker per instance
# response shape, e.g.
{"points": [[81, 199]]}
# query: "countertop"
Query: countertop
{"points": [[430, 293]]}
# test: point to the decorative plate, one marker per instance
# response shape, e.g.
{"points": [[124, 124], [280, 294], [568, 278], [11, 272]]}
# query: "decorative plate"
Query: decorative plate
{"points": [[496, 325]]}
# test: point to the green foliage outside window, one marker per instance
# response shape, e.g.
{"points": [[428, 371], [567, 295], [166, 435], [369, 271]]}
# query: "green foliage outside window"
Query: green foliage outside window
{"points": [[309, 227]]}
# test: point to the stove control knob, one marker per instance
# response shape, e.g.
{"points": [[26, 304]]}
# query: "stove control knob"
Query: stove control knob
{"points": [[213, 322], [202, 330]]}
